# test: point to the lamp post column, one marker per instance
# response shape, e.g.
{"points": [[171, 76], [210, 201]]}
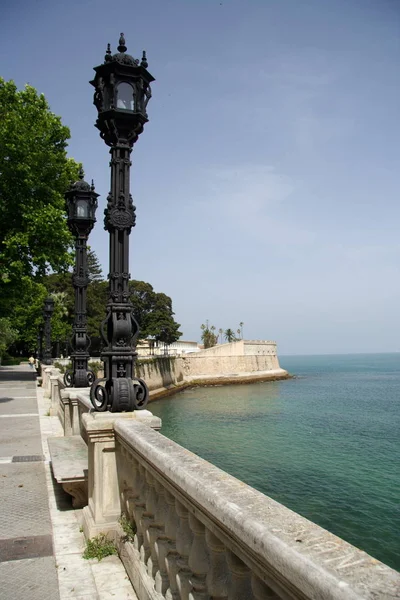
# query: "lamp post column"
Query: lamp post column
{"points": [[81, 201], [40, 343], [47, 313], [122, 92]]}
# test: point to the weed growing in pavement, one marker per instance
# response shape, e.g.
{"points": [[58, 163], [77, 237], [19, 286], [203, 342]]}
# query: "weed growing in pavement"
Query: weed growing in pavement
{"points": [[99, 547]]}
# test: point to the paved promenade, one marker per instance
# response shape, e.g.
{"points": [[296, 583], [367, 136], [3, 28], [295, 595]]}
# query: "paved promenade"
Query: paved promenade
{"points": [[40, 542], [27, 564]]}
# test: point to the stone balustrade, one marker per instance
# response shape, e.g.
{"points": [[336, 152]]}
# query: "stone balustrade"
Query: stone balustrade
{"points": [[197, 533], [202, 534]]}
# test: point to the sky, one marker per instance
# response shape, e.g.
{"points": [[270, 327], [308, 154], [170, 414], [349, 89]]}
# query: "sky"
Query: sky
{"points": [[267, 179]]}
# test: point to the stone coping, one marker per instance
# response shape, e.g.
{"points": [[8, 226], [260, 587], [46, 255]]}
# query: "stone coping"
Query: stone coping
{"points": [[103, 421], [294, 551]]}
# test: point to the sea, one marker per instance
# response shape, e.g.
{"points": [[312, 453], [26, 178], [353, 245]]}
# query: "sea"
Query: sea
{"points": [[325, 443]]}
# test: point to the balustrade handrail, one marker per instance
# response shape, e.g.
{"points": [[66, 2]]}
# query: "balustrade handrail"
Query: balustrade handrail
{"points": [[294, 557]]}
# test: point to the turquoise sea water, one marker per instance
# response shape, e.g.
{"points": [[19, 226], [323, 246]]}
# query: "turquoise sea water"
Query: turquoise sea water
{"points": [[326, 443]]}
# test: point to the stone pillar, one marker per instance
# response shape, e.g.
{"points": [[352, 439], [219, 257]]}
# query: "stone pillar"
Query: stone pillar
{"points": [[74, 408], [104, 509], [65, 413], [46, 374], [54, 395]]}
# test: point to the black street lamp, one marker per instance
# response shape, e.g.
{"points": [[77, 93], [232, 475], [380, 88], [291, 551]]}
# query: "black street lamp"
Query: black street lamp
{"points": [[122, 92], [40, 343], [47, 313], [81, 201]]}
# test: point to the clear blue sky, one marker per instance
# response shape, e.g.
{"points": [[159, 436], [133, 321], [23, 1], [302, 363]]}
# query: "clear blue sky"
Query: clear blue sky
{"points": [[267, 180]]}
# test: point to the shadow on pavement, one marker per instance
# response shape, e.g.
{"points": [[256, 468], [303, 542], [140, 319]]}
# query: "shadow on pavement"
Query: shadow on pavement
{"points": [[9, 374]]}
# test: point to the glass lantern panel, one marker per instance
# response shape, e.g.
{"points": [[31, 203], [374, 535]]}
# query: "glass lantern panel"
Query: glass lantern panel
{"points": [[125, 96], [82, 209]]}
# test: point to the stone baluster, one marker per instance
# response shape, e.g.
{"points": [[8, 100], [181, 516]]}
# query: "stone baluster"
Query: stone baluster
{"points": [[124, 473], [142, 516], [129, 488], [184, 538], [147, 519], [154, 529], [162, 543], [240, 578], [134, 504], [262, 591], [218, 574], [171, 528], [198, 560]]}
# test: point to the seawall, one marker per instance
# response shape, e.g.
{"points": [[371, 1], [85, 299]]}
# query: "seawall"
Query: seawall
{"points": [[239, 362]]}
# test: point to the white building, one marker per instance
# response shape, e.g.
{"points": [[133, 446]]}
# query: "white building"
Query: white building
{"points": [[150, 347]]}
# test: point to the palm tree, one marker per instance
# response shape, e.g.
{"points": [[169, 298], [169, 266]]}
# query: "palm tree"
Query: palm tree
{"points": [[229, 335], [241, 328], [221, 333], [208, 336]]}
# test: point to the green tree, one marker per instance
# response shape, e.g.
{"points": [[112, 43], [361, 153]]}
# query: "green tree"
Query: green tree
{"points": [[26, 314], [159, 320], [230, 335], [153, 311], [34, 174], [143, 298], [95, 271], [97, 296], [208, 336], [61, 326], [7, 335]]}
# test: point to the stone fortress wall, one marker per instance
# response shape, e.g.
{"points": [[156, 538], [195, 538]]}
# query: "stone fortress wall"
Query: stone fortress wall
{"points": [[238, 362]]}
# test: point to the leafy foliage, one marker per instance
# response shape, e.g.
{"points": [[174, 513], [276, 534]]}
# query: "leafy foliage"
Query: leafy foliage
{"points": [[159, 321], [34, 174], [208, 336], [229, 335], [128, 527], [7, 335], [94, 267], [26, 314], [152, 310], [99, 547]]}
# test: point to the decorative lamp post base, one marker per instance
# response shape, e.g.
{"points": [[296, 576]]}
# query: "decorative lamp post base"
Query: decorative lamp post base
{"points": [[79, 378], [119, 394]]}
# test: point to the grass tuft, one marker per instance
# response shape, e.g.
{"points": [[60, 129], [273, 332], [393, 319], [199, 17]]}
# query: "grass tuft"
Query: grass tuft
{"points": [[128, 527], [99, 547]]}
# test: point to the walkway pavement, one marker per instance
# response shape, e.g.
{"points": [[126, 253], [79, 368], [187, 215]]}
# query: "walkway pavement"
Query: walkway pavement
{"points": [[41, 544], [27, 564]]}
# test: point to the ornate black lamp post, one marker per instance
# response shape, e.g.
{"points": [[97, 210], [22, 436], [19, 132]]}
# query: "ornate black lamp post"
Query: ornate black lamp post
{"points": [[122, 85], [40, 343], [47, 312], [81, 201]]}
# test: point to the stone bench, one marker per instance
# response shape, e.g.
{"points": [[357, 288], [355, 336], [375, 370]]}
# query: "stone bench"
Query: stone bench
{"points": [[69, 460]]}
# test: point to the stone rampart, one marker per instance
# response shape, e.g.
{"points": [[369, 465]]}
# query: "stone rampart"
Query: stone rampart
{"points": [[238, 362]]}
